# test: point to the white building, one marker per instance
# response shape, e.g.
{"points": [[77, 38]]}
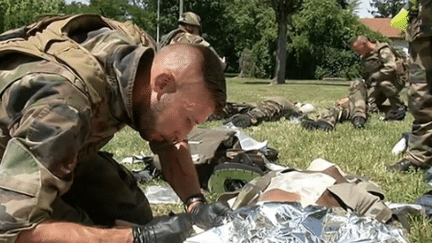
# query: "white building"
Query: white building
{"points": [[383, 26]]}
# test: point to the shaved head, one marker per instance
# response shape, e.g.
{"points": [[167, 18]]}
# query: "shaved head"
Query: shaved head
{"points": [[184, 86], [359, 39], [179, 58], [182, 59], [362, 45]]}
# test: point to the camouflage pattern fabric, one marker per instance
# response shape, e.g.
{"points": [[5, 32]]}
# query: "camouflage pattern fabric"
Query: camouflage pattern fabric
{"points": [[420, 103], [419, 149], [385, 71], [230, 109], [190, 18], [54, 118], [420, 19], [273, 109], [347, 108]]}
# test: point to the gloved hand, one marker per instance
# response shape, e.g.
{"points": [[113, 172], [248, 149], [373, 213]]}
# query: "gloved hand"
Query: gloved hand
{"points": [[373, 78], [207, 216], [169, 229]]}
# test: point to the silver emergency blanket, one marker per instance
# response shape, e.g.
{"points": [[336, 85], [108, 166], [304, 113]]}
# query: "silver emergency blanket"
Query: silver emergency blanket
{"points": [[290, 222]]}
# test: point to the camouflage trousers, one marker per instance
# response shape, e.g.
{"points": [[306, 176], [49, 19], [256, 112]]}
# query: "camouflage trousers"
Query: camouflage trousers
{"points": [[347, 108], [231, 109], [273, 109], [387, 90], [102, 192], [420, 102]]}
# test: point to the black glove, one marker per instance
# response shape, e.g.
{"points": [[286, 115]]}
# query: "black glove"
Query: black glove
{"points": [[373, 78], [240, 120], [169, 229], [207, 216]]}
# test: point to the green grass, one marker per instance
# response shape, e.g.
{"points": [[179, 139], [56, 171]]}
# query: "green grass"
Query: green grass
{"points": [[363, 152]]}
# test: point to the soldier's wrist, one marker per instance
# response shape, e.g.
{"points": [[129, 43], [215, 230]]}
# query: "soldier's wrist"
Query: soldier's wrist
{"points": [[193, 201]]}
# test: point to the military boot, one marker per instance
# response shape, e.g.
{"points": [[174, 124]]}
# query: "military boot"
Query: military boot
{"points": [[396, 113], [404, 165], [313, 125], [240, 120], [358, 122]]}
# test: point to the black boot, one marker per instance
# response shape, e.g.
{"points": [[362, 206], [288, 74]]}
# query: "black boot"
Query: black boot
{"points": [[396, 113], [358, 122], [404, 165], [240, 120], [312, 125]]}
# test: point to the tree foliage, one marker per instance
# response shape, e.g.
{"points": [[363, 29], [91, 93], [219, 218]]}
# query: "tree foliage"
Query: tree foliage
{"points": [[386, 8], [317, 41], [16, 13], [215, 23], [252, 31]]}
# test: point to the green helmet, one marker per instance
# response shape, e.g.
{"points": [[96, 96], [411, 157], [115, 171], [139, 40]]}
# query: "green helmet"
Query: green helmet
{"points": [[190, 18]]}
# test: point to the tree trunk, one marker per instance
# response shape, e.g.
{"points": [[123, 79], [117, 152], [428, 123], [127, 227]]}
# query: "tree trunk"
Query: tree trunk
{"points": [[281, 48]]}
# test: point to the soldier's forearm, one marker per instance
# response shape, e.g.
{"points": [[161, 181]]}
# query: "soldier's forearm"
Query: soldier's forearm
{"points": [[67, 232], [387, 71], [179, 170]]}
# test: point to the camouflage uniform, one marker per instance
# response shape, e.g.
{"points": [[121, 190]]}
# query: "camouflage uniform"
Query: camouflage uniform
{"points": [[384, 70], [54, 120], [419, 149], [181, 35], [271, 109], [347, 108], [230, 109]]}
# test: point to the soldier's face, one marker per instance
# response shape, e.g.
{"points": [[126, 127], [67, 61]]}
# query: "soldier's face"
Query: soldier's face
{"points": [[360, 47], [196, 30], [176, 114]]}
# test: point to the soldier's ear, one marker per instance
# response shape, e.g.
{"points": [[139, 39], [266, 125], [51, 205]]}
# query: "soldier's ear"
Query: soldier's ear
{"points": [[164, 83]]}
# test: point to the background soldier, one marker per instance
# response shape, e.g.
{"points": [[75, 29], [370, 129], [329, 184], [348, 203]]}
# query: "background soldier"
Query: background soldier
{"points": [[419, 152], [385, 72], [351, 108], [271, 109], [189, 31]]}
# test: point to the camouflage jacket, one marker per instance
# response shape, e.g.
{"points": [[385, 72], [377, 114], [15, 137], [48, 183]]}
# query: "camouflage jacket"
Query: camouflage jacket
{"points": [[51, 115], [382, 64], [420, 19]]}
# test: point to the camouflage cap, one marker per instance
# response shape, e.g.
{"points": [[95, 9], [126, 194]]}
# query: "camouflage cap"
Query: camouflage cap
{"points": [[190, 18]]}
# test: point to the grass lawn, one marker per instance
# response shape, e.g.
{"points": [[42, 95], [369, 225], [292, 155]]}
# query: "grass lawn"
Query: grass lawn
{"points": [[362, 152]]}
